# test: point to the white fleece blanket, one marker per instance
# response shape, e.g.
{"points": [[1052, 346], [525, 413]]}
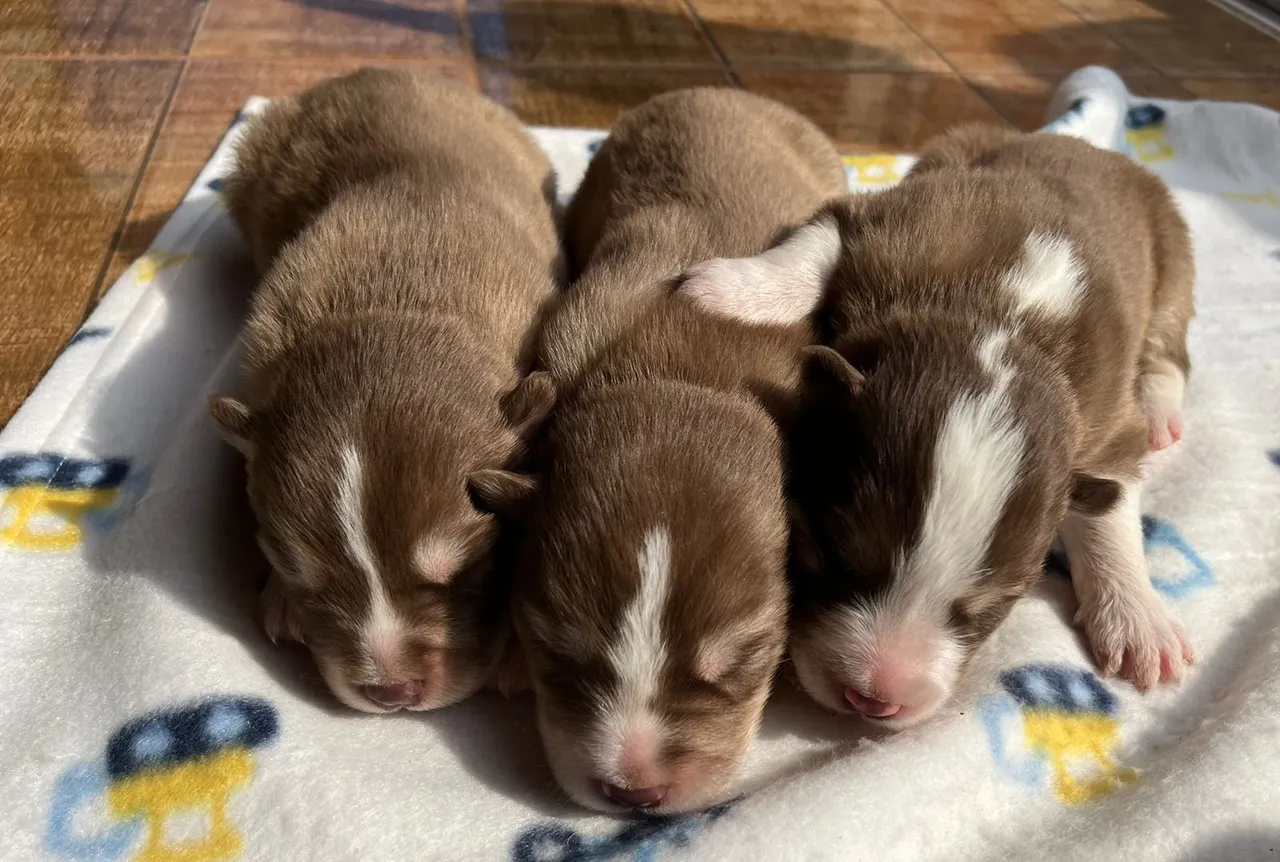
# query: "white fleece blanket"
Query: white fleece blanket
{"points": [[146, 718]]}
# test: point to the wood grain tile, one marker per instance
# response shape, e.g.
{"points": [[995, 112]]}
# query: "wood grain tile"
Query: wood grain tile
{"points": [[203, 108], [352, 28], [72, 138], [1011, 36], [587, 98], [72, 27], [1185, 39], [1024, 98], [1258, 91], [876, 112], [560, 32], [860, 35]]}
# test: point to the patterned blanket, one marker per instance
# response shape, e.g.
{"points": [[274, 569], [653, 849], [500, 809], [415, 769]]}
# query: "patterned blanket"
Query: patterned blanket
{"points": [[146, 717]]}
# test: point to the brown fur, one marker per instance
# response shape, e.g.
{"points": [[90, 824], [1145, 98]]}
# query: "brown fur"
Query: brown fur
{"points": [[407, 245], [660, 425], [917, 288]]}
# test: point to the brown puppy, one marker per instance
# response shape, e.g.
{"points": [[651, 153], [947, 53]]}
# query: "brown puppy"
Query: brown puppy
{"points": [[404, 230], [652, 596], [1009, 331]]}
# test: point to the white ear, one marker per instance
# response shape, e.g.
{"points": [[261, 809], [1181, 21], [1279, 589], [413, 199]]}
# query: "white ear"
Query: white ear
{"points": [[782, 285]]}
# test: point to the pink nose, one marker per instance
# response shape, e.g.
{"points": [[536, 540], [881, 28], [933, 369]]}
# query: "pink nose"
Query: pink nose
{"points": [[394, 696], [644, 797], [868, 707]]}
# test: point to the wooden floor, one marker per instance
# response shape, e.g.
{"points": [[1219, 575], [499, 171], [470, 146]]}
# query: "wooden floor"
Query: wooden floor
{"points": [[109, 107]]}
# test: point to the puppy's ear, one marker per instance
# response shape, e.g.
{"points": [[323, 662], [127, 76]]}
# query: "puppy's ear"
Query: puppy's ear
{"points": [[1093, 495], [827, 374], [501, 492], [280, 619], [530, 403], [234, 421]]}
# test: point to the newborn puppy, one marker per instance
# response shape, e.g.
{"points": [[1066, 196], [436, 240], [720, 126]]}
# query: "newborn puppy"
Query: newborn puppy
{"points": [[652, 596], [407, 242], [1009, 331]]}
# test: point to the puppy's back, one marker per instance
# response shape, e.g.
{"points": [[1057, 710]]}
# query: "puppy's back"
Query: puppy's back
{"points": [[678, 181], [360, 128]]}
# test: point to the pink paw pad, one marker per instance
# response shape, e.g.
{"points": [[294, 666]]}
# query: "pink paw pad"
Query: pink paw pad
{"points": [[1163, 433]]}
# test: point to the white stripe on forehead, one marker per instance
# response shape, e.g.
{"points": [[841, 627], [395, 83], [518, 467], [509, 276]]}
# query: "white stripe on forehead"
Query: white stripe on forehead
{"points": [[976, 462], [1048, 279], [640, 652], [381, 629]]}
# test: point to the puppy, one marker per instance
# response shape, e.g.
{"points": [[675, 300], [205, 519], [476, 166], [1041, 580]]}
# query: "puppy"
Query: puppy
{"points": [[1008, 335], [407, 242], [652, 597]]}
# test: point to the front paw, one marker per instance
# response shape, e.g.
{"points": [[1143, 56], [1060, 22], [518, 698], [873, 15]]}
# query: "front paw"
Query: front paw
{"points": [[511, 676], [1131, 635]]}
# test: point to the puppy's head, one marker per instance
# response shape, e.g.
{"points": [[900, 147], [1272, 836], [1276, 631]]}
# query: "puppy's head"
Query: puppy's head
{"points": [[652, 601], [930, 470], [378, 497]]}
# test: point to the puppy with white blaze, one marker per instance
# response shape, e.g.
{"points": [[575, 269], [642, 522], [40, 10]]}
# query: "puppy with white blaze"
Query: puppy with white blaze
{"points": [[407, 246], [1004, 339], [651, 597]]}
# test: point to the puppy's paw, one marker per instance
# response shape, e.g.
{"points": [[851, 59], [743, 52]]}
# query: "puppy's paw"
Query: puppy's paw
{"points": [[277, 613], [1162, 405], [1132, 636], [1163, 431], [511, 676]]}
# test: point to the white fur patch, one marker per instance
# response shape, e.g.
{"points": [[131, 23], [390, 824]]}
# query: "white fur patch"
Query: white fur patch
{"points": [[898, 647], [638, 656], [992, 358], [382, 627], [976, 462], [437, 558], [1048, 279], [782, 285]]}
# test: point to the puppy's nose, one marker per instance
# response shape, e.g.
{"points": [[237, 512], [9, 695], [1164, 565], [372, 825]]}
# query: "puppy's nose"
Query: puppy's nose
{"points": [[644, 797], [868, 706], [394, 696]]}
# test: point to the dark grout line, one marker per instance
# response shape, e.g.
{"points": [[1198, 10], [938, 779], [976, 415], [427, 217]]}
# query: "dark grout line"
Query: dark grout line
{"points": [[122, 225], [950, 65], [1106, 34], [117, 236], [466, 41], [195, 31], [599, 66], [705, 31], [91, 58]]}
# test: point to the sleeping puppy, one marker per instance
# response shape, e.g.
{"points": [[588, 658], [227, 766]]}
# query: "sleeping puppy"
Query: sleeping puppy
{"points": [[1008, 336], [652, 596], [404, 231]]}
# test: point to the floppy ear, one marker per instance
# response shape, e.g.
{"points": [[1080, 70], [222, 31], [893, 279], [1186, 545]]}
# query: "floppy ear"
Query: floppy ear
{"points": [[782, 285], [1093, 495], [501, 492], [828, 374], [234, 421], [530, 403], [279, 618]]}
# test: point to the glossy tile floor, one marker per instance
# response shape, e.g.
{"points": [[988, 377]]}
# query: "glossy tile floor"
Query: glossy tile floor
{"points": [[109, 107]]}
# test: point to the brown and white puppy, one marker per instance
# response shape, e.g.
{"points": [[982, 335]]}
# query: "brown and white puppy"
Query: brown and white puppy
{"points": [[1008, 330], [652, 595], [404, 231]]}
